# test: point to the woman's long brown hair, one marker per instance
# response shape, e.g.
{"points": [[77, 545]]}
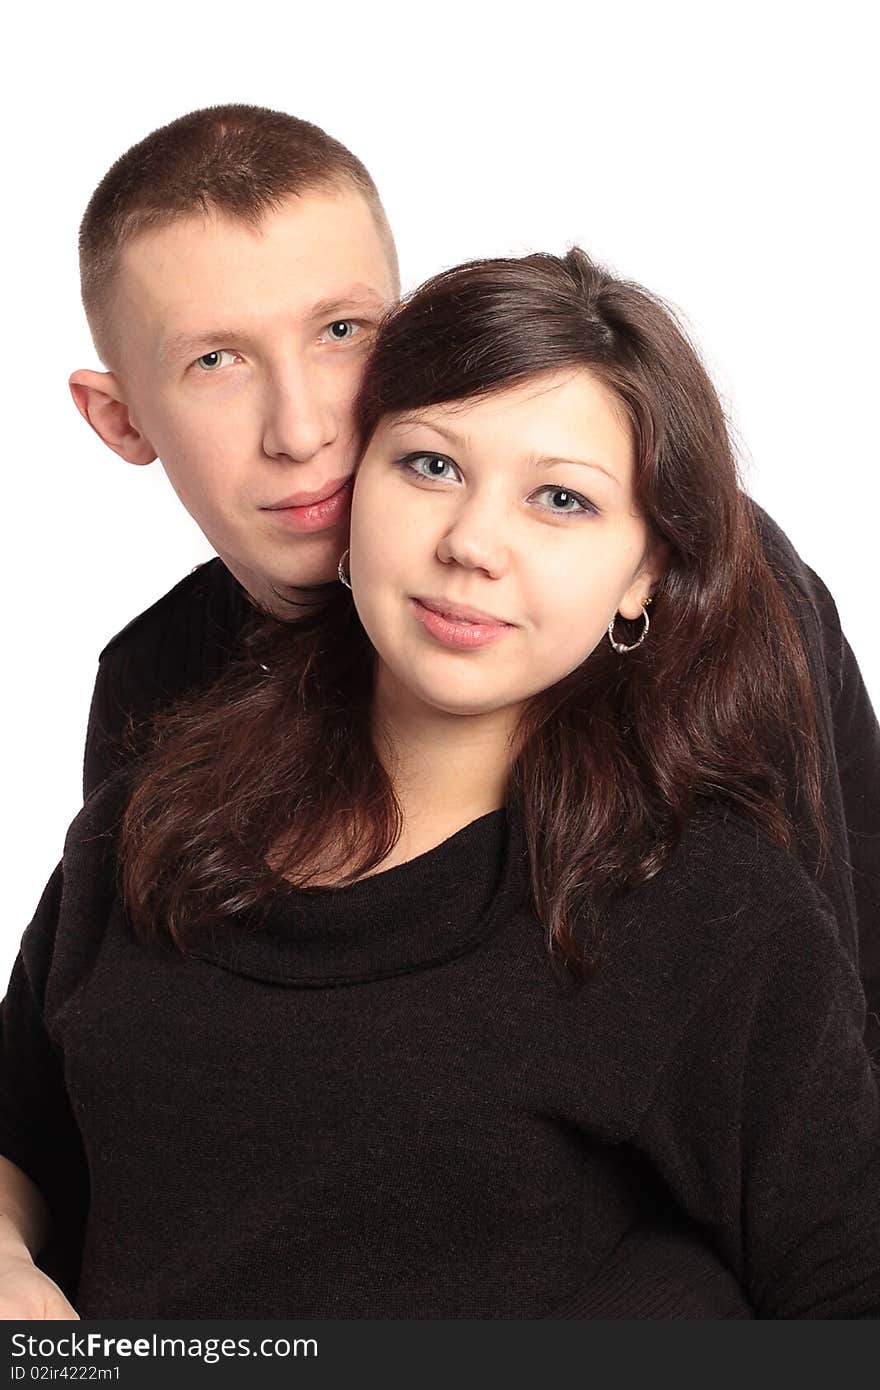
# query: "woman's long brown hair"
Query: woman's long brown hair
{"points": [[274, 768]]}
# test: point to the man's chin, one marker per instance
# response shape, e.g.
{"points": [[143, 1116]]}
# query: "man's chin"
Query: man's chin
{"points": [[282, 595], [292, 601]]}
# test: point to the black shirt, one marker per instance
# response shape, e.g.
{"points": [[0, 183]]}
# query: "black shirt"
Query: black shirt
{"points": [[386, 1104], [184, 641]]}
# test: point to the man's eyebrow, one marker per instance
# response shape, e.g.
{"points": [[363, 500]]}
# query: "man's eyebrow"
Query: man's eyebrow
{"points": [[462, 441], [354, 297], [187, 344]]}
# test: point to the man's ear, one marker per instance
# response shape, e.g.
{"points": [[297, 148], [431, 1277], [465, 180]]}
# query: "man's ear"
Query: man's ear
{"points": [[98, 398]]}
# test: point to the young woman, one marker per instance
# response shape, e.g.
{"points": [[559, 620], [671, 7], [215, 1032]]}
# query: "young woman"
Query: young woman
{"points": [[459, 934]]}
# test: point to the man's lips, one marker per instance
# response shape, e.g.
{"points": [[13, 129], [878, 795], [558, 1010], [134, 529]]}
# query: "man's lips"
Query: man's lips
{"points": [[309, 499], [313, 511]]}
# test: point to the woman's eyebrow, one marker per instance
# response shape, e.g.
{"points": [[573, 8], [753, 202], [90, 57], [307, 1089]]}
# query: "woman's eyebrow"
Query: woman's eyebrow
{"points": [[535, 462], [415, 421], [554, 461]]}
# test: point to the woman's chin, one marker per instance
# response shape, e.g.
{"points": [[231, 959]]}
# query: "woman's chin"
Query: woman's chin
{"points": [[462, 704]]}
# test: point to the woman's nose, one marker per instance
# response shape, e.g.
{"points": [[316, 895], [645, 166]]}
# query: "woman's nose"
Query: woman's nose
{"points": [[477, 538]]}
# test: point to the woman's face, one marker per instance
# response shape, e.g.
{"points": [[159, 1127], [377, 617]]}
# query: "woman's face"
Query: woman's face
{"points": [[493, 541]]}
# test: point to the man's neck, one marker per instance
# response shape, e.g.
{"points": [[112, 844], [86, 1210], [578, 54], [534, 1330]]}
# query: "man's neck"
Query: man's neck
{"points": [[287, 603]]}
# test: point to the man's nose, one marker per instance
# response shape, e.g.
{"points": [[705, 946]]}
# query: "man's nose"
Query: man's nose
{"points": [[299, 417], [477, 537]]}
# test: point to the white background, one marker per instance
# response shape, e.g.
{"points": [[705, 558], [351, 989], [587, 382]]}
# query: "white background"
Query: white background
{"points": [[725, 156]]}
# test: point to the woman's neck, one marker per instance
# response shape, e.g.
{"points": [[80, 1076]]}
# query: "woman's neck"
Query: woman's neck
{"points": [[446, 769]]}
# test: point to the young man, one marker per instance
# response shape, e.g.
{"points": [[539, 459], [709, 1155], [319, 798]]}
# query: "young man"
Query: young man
{"points": [[234, 267]]}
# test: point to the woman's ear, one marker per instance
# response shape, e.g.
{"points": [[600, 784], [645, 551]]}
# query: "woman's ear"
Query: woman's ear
{"points": [[99, 399], [650, 572]]}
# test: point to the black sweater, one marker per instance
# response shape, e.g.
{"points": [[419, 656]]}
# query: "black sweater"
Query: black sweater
{"points": [[658, 1269], [387, 1104], [189, 637]]}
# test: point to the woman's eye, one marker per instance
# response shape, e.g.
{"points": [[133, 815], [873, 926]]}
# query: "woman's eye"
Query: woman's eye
{"points": [[340, 330], [566, 503], [430, 466], [210, 361]]}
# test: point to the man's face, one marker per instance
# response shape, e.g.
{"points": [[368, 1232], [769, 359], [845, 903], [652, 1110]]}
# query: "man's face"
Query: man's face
{"points": [[241, 352]]}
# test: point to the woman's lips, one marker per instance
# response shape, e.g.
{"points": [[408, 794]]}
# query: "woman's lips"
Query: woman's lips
{"points": [[317, 516], [461, 633]]}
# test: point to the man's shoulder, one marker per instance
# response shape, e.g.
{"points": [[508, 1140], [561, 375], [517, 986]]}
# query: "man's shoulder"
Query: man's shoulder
{"points": [[790, 567], [209, 580], [809, 598], [176, 648]]}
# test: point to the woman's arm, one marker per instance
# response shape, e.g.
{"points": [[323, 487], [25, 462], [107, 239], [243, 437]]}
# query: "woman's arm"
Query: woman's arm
{"points": [[25, 1291], [43, 1182], [857, 747], [765, 1125], [24, 1216]]}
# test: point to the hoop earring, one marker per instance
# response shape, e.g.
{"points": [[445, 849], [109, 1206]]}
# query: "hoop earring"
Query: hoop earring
{"points": [[619, 646], [340, 570]]}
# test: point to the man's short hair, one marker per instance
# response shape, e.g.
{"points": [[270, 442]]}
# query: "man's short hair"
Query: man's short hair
{"points": [[239, 161]]}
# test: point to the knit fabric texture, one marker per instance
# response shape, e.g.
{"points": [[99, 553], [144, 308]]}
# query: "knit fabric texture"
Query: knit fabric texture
{"points": [[388, 1104]]}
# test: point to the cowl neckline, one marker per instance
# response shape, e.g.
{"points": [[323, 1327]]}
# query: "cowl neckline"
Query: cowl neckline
{"points": [[416, 915]]}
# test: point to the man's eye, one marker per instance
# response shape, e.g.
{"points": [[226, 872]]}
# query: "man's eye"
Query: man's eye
{"points": [[341, 329], [210, 361]]}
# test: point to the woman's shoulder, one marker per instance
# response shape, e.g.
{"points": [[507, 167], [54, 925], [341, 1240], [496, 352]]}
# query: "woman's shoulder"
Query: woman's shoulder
{"points": [[74, 908], [100, 816], [89, 863], [744, 850], [728, 892], [731, 929], [732, 923], [726, 844]]}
